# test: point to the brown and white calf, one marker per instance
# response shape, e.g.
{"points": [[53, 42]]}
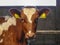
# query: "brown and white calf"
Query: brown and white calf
{"points": [[29, 17], [23, 26]]}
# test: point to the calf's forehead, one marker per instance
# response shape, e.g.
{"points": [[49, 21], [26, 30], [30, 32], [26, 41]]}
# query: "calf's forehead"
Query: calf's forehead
{"points": [[29, 12]]}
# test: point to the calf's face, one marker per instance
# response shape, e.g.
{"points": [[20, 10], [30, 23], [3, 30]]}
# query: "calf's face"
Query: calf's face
{"points": [[28, 17]]}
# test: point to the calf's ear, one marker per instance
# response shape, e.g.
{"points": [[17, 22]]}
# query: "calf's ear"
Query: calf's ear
{"points": [[15, 13], [43, 13]]}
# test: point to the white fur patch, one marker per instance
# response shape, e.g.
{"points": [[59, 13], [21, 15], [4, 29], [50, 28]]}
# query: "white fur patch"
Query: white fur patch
{"points": [[6, 17], [5, 25], [29, 12], [1, 40]]}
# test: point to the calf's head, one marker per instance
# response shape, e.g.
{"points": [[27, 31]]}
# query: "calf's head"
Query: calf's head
{"points": [[28, 17]]}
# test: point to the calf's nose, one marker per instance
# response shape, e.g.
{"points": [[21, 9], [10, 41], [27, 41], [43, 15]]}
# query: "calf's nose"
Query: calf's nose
{"points": [[30, 34]]}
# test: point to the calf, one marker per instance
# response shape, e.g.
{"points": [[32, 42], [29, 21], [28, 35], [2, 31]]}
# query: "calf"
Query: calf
{"points": [[23, 27], [29, 17]]}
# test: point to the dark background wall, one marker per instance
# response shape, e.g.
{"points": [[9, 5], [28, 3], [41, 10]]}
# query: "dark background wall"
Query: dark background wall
{"points": [[58, 21], [58, 14], [43, 24], [58, 18]]}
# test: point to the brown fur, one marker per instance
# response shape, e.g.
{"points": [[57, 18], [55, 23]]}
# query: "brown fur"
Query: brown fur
{"points": [[2, 19], [13, 35]]}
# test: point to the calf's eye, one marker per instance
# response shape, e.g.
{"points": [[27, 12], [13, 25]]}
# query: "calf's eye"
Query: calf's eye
{"points": [[22, 20]]}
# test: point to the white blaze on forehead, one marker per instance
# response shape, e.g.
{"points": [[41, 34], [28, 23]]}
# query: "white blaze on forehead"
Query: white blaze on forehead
{"points": [[29, 12], [5, 25]]}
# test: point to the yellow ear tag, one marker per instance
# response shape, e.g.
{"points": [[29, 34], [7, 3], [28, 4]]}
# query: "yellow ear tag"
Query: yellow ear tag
{"points": [[17, 16], [43, 16]]}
